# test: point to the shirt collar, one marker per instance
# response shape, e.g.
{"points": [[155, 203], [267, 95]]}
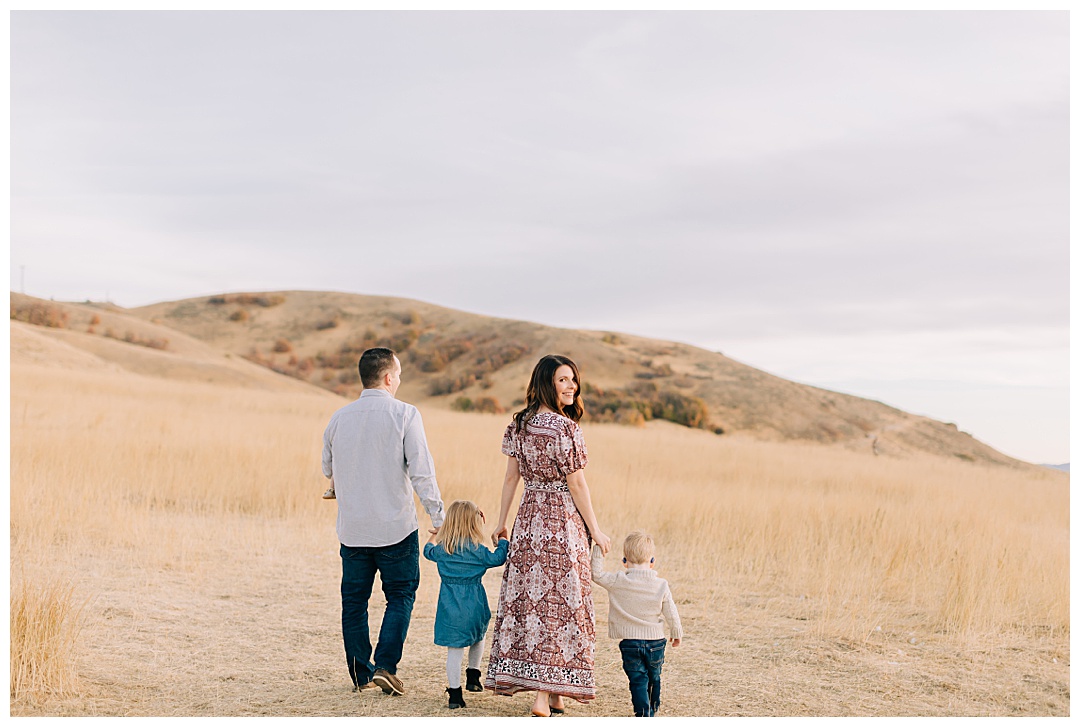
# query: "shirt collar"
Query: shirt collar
{"points": [[367, 393], [639, 573]]}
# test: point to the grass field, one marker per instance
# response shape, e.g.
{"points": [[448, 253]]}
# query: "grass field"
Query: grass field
{"points": [[170, 555]]}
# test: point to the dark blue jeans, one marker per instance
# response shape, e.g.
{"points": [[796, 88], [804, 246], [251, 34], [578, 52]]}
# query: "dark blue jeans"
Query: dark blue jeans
{"points": [[642, 660], [398, 566]]}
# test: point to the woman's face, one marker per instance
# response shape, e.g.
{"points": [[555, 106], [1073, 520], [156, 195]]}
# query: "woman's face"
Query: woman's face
{"points": [[565, 385]]}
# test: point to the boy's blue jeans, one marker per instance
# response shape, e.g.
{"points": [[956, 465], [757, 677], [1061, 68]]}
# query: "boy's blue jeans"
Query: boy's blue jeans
{"points": [[398, 566], [642, 660]]}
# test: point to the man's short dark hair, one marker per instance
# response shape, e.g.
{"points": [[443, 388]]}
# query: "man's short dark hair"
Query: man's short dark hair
{"points": [[374, 364]]}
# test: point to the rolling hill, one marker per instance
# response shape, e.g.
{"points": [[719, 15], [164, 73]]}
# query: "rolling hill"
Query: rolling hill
{"points": [[460, 360]]}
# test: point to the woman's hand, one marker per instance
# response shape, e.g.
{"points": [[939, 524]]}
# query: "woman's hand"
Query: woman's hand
{"points": [[499, 534], [603, 541]]}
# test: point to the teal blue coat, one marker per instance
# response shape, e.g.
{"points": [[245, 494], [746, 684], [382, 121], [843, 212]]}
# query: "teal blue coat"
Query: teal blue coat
{"points": [[462, 616]]}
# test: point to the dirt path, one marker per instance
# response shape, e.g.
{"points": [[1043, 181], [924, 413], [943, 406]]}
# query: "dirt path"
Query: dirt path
{"points": [[247, 624]]}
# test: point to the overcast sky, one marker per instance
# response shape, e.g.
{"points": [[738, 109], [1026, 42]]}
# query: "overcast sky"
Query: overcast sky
{"points": [[871, 202]]}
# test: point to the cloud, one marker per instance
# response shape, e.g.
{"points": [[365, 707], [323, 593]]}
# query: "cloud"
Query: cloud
{"points": [[723, 178]]}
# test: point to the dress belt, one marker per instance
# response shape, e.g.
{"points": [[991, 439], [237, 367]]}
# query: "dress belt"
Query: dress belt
{"points": [[547, 486]]}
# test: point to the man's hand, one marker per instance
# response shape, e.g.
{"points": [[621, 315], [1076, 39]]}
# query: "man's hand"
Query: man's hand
{"points": [[675, 642]]}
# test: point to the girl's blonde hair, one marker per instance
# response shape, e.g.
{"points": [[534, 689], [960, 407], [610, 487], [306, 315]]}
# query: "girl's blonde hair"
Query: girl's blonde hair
{"points": [[463, 524]]}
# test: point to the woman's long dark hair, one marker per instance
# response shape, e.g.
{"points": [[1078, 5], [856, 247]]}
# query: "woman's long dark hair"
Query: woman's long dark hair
{"points": [[541, 391]]}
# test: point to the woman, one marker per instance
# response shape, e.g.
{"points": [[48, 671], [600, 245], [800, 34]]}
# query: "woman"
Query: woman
{"points": [[545, 630]]}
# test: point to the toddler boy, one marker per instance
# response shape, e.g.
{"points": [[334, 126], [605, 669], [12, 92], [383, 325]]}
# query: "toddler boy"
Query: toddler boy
{"points": [[639, 603]]}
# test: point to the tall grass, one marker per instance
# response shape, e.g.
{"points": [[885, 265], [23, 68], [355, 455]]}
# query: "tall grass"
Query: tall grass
{"points": [[132, 467], [44, 631]]}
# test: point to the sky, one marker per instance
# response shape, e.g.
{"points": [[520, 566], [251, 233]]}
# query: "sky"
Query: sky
{"points": [[871, 202]]}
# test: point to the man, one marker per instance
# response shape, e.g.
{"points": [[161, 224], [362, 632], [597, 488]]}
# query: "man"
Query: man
{"points": [[375, 451]]}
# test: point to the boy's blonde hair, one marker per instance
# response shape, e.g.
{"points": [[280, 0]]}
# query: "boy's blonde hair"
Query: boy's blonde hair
{"points": [[463, 524], [638, 547]]}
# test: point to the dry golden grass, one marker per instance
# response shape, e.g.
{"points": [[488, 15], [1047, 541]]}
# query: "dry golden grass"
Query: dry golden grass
{"points": [[811, 581], [44, 629]]}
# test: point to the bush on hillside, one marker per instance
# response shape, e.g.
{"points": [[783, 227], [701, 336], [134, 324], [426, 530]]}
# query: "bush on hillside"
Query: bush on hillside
{"points": [[161, 344], [483, 405], [642, 401], [259, 299], [40, 314]]}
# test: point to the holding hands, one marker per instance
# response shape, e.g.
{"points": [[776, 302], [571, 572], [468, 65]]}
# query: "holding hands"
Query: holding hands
{"points": [[603, 541]]}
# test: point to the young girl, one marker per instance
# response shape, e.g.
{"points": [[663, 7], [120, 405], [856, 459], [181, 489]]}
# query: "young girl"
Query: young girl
{"points": [[461, 619]]}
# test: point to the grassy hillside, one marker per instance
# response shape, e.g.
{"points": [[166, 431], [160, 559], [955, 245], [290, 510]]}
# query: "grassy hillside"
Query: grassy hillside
{"points": [[456, 359]]}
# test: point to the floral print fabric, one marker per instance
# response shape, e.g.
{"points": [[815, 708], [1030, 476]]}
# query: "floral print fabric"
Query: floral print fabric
{"points": [[544, 635]]}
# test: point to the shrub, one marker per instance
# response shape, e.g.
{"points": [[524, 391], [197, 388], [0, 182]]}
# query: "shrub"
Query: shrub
{"points": [[436, 353], [451, 384], [504, 353], [611, 338], [263, 301], [240, 315], [642, 401], [327, 324], [282, 345], [161, 344], [40, 314], [489, 405]]}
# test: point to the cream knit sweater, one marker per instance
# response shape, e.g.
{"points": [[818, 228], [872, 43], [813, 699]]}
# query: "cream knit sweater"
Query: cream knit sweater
{"points": [[639, 602]]}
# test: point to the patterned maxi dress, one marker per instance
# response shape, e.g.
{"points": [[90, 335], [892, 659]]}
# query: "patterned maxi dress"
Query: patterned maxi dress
{"points": [[545, 629]]}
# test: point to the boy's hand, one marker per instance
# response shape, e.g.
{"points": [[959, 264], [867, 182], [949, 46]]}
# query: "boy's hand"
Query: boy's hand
{"points": [[676, 642]]}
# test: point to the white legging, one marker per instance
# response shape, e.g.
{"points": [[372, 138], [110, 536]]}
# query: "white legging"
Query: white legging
{"points": [[453, 662]]}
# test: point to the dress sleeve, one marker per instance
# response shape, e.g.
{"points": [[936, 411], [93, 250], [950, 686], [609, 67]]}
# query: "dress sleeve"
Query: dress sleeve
{"points": [[571, 455], [497, 558], [508, 441], [431, 551]]}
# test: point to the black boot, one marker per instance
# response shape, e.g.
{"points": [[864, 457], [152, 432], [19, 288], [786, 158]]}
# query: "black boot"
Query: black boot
{"points": [[455, 698], [472, 680]]}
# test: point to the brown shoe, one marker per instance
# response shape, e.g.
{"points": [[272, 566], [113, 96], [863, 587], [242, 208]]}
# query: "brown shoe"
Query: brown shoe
{"points": [[365, 686], [389, 682]]}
